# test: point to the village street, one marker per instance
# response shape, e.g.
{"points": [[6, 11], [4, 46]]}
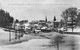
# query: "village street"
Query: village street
{"points": [[39, 24], [4, 37], [33, 42]]}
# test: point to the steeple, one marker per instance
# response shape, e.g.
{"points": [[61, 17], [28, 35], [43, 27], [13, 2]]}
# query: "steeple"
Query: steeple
{"points": [[54, 18], [46, 19]]}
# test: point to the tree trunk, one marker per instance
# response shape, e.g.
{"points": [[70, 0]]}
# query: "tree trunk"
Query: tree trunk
{"points": [[66, 20], [9, 36], [15, 35]]}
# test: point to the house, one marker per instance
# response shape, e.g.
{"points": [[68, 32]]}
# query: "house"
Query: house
{"points": [[17, 26], [26, 26], [56, 24]]}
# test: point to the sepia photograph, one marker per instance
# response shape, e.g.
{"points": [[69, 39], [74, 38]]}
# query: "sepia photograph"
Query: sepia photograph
{"points": [[39, 24]]}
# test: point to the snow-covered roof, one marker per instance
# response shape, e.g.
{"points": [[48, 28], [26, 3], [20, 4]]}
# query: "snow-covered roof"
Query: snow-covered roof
{"points": [[26, 24]]}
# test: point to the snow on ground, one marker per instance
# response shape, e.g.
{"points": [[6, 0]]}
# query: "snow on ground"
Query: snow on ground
{"points": [[36, 44], [33, 44], [4, 36], [77, 29], [29, 45]]}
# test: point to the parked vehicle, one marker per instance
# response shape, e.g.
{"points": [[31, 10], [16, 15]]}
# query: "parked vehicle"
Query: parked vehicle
{"points": [[27, 30], [45, 29], [37, 31], [60, 30]]}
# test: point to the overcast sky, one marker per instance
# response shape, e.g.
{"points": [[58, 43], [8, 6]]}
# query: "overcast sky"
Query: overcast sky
{"points": [[37, 9]]}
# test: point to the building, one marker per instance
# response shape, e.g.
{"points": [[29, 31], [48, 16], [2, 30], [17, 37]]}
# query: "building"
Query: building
{"points": [[56, 24]]}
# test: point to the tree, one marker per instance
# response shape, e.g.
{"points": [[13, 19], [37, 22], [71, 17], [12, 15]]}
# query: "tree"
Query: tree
{"points": [[78, 20], [57, 40], [5, 19], [23, 21], [61, 24], [70, 13]]}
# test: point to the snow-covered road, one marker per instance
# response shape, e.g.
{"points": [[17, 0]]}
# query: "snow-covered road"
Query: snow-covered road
{"points": [[34, 44], [37, 44]]}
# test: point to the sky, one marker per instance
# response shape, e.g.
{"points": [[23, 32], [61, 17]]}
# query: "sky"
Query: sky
{"points": [[37, 9]]}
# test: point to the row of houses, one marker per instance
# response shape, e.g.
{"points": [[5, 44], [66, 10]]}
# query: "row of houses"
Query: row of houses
{"points": [[41, 24]]}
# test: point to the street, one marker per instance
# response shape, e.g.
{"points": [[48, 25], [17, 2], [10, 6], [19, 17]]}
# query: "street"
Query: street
{"points": [[35, 41]]}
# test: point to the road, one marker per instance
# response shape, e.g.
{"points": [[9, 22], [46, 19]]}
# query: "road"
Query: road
{"points": [[36, 42], [40, 44], [4, 37]]}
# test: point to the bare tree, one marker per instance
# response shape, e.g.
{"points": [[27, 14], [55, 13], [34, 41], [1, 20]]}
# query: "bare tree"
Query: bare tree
{"points": [[57, 40], [70, 13]]}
